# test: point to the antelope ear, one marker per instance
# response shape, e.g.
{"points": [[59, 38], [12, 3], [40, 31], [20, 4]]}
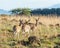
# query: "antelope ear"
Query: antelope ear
{"points": [[28, 20]]}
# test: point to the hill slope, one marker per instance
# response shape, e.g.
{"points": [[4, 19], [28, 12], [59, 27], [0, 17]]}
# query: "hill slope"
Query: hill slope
{"points": [[4, 11]]}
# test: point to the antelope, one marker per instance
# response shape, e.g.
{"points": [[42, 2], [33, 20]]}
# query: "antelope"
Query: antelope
{"points": [[25, 27], [17, 28], [21, 26], [33, 25]]}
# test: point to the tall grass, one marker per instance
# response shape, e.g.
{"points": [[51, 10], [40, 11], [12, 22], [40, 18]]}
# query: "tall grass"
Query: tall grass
{"points": [[45, 32]]}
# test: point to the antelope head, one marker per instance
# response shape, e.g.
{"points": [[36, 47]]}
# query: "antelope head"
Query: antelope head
{"points": [[26, 22], [36, 21], [20, 22]]}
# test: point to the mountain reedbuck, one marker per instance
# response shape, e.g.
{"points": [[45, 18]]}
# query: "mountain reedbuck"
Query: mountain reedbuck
{"points": [[33, 25], [26, 27], [17, 28]]}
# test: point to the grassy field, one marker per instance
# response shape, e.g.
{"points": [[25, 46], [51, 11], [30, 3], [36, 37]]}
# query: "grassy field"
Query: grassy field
{"points": [[47, 32]]}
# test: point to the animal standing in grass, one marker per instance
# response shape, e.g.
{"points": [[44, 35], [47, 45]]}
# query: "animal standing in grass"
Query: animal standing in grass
{"points": [[25, 27], [17, 29]]}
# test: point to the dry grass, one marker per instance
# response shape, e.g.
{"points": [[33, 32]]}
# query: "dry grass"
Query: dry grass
{"points": [[46, 31]]}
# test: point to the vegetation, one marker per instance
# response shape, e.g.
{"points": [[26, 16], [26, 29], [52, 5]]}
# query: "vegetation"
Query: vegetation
{"points": [[24, 11], [27, 11], [46, 35], [46, 11]]}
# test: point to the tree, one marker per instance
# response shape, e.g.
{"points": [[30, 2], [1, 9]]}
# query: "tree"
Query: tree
{"points": [[19, 11], [16, 11], [58, 11], [26, 11]]}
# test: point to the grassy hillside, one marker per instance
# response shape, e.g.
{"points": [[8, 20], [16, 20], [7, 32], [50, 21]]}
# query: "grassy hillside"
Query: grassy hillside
{"points": [[47, 32]]}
